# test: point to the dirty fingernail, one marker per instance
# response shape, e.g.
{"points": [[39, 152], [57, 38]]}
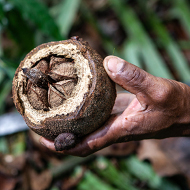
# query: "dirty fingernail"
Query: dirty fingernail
{"points": [[41, 141], [115, 65]]}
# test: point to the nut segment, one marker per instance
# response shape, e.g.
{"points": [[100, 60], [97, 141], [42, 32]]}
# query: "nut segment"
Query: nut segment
{"points": [[51, 81], [62, 87]]}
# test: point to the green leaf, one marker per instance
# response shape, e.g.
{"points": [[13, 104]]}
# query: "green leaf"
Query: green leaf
{"points": [[20, 32], [6, 70], [2, 75], [89, 17], [144, 172], [54, 188], [18, 146], [178, 60], [9, 63], [108, 45], [1, 49], [184, 44], [67, 11], [132, 25], [110, 48], [37, 12], [1, 17], [93, 182], [68, 164], [3, 145], [1, 11], [109, 173], [154, 61], [4, 91], [181, 11], [131, 52]]}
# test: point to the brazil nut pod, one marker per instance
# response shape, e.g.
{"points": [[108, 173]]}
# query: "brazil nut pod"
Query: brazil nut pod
{"points": [[63, 92]]}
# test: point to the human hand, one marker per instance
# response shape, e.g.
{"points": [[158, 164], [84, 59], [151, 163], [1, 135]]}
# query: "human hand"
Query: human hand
{"points": [[157, 108]]}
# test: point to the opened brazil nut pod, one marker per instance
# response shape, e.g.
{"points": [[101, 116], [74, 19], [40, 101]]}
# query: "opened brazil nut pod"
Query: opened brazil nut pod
{"points": [[63, 92]]}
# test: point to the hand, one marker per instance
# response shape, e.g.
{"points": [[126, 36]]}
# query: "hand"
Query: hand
{"points": [[157, 108]]}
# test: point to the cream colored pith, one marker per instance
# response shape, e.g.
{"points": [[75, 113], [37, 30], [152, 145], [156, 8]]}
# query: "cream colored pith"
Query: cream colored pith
{"points": [[84, 77]]}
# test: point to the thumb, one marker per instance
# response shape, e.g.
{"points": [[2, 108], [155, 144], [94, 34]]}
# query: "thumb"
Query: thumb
{"points": [[127, 75], [130, 77]]}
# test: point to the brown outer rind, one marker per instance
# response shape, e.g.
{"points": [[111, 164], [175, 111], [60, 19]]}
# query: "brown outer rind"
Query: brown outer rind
{"points": [[95, 108]]}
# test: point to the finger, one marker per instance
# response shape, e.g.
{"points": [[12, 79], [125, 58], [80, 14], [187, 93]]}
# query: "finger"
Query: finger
{"points": [[106, 135], [127, 75], [102, 137], [118, 129], [122, 101], [47, 143], [131, 77]]}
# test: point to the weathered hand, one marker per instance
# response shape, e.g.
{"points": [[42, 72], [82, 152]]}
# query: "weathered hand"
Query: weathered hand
{"points": [[157, 108]]}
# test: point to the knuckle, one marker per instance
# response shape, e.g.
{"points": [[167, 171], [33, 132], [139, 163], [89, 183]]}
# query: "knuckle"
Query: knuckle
{"points": [[134, 76], [163, 94]]}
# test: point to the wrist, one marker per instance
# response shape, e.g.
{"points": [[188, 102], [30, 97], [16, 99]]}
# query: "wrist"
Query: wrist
{"points": [[184, 105]]}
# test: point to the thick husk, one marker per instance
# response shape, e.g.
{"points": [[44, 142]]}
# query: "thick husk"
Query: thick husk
{"points": [[93, 110]]}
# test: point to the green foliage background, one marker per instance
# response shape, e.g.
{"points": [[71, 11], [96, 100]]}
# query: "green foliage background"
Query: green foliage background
{"points": [[147, 42], [24, 24]]}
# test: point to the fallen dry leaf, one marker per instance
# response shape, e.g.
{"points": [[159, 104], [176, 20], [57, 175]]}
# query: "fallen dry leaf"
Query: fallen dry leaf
{"points": [[72, 181], [151, 150], [11, 165], [40, 181], [7, 183], [178, 152], [168, 156]]}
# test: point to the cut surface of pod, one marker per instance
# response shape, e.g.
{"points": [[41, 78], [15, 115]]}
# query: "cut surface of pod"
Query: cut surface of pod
{"points": [[62, 87]]}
